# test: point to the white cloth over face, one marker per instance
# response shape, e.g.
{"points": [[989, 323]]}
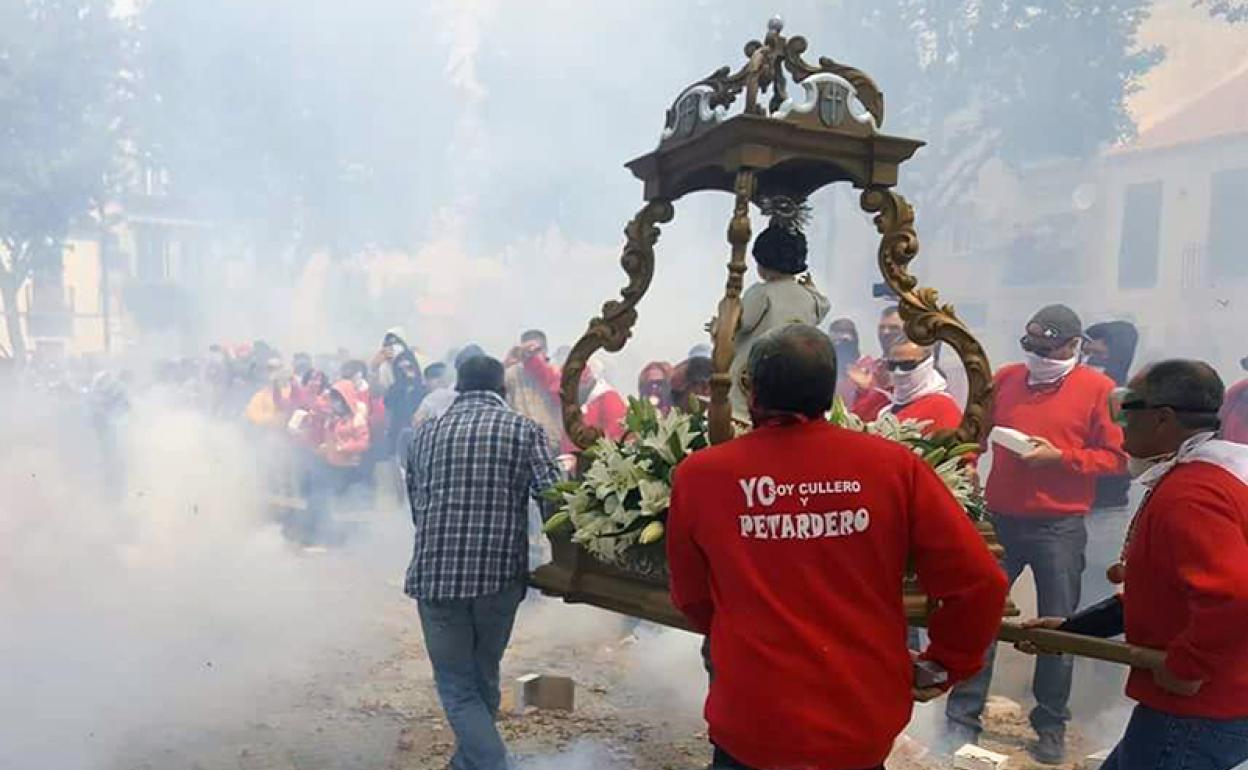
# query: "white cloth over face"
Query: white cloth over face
{"points": [[922, 380], [1046, 371]]}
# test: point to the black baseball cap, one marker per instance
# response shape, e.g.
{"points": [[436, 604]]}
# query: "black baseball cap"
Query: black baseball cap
{"points": [[1058, 323]]}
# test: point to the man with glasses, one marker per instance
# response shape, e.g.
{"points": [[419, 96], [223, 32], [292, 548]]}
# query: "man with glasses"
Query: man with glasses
{"points": [[1039, 500], [920, 391], [1185, 568]]}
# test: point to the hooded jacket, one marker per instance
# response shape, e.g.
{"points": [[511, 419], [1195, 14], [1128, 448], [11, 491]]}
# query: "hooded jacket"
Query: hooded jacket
{"points": [[1121, 339], [402, 400], [346, 437]]}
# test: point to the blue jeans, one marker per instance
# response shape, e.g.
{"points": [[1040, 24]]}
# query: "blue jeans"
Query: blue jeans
{"points": [[465, 639], [1054, 548], [1158, 741]]}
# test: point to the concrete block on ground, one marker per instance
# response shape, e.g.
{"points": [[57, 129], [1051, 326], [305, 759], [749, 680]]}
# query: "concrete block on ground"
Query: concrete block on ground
{"points": [[543, 691], [972, 757]]}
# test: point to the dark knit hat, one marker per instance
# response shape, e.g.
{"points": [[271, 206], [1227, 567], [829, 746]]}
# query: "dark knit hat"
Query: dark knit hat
{"points": [[781, 249]]}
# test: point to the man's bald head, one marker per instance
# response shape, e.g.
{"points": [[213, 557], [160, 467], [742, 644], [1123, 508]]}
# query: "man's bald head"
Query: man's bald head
{"points": [[793, 369]]}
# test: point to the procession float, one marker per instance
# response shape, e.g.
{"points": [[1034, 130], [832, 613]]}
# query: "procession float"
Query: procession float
{"points": [[770, 134]]}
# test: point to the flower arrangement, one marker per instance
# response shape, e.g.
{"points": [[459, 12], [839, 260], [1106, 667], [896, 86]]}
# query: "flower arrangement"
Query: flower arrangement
{"points": [[622, 498]]}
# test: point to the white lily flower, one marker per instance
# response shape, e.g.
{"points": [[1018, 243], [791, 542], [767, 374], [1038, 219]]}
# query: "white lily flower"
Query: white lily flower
{"points": [[656, 497]]}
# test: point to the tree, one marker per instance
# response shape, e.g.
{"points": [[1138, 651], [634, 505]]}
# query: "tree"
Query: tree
{"points": [[61, 77], [1016, 80], [299, 125], [1233, 11]]}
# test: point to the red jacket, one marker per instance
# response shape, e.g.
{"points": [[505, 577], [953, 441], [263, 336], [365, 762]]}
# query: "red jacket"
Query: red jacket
{"points": [[1235, 413], [346, 438], [939, 410], [789, 546], [1074, 415], [1187, 590]]}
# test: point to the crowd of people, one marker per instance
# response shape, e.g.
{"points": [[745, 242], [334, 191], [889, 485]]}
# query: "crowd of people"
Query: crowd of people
{"points": [[820, 615], [473, 441]]}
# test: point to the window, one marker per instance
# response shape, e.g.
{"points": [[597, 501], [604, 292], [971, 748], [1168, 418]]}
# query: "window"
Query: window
{"points": [[1045, 253], [152, 245], [1228, 226], [1139, 249]]}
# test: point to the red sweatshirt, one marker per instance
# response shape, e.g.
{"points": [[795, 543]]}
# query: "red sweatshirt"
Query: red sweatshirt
{"points": [[789, 546], [1074, 415], [938, 409], [1187, 590]]}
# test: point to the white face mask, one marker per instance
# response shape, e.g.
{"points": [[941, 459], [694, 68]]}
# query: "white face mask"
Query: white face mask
{"points": [[922, 380], [1045, 371]]}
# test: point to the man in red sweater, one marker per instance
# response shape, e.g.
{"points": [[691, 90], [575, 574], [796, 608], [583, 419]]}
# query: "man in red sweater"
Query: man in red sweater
{"points": [[1039, 500], [788, 547], [920, 391], [1185, 568]]}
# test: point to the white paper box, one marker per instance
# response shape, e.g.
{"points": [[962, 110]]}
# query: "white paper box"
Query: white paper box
{"points": [[971, 757], [1012, 440]]}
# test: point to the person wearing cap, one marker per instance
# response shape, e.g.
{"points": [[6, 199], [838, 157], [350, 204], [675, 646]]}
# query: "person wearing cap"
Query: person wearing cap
{"points": [[779, 299], [1185, 575], [1038, 500], [920, 392]]}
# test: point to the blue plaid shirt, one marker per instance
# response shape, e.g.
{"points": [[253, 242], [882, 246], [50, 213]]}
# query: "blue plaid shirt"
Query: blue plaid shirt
{"points": [[470, 474]]}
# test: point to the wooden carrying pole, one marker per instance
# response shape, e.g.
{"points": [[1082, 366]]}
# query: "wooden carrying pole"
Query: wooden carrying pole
{"points": [[1066, 643]]}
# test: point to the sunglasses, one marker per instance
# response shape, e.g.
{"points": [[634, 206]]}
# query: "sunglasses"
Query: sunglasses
{"points": [[903, 366], [1121, 406], [1041, 347]]}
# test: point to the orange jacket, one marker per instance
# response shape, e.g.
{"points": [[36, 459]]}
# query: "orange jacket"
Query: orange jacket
{"points": [[346, 438]]}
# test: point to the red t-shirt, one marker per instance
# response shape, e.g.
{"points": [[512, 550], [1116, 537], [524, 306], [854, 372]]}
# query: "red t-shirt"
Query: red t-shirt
{"points": [[789, 545], [1074, 415], [939, 410], [1235, 414], [1186, 590]]}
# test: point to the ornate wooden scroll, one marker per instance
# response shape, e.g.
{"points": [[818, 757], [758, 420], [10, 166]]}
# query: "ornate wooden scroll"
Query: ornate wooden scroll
{"points": [[612, 329], [927, 321], [728, 317], [764, 71]]}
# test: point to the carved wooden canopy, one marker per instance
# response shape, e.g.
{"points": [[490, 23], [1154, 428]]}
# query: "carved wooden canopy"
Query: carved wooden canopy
{"points": [[789, 147]]}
